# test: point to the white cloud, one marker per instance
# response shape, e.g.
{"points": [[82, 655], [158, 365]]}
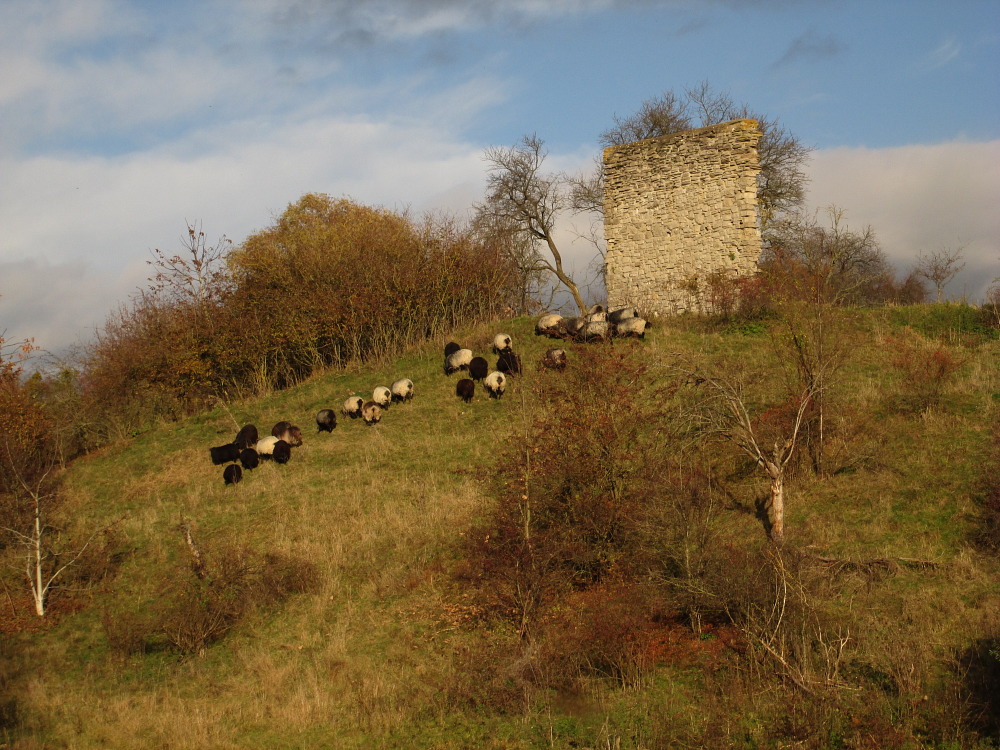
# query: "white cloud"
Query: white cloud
{"points": [[922, 197]]}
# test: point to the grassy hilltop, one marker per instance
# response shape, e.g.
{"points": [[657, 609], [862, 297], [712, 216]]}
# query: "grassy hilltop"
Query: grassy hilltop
{"points": [[340, 608]]}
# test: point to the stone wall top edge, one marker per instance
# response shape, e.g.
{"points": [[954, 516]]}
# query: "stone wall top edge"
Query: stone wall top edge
{"points": [[731, 126]]}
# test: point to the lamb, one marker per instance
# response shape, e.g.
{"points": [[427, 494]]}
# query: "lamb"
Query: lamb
{"points": [[352, 407], [232, 474], [509, 363], [495, 384], [549, 325], [224, 454], [465, 389], [382, 396], [502, 343], [371, 413], [478, 368], [282, 452], [247, 437], [450, 348], [326, 420], [458, 360], [249, 458], [288, 432], [554, 359], [635, 327], [402, 389]]}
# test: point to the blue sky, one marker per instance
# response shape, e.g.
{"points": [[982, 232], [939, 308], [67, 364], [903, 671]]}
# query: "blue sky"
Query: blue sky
{"points": [[121, 120]]}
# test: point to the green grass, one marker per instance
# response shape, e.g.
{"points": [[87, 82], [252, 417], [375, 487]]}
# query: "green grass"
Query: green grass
{"points": [[375, 655]]}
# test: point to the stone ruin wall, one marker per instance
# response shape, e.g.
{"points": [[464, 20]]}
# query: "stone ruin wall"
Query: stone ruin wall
{"points": [[677, 209]]}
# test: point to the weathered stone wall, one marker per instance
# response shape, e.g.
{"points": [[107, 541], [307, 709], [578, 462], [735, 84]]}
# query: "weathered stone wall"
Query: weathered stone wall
{"points": [[677, 209]]}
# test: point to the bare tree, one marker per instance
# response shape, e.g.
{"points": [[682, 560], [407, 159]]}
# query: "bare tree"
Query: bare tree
{"points": [[197, 276], [525, 201], [940, 267]]}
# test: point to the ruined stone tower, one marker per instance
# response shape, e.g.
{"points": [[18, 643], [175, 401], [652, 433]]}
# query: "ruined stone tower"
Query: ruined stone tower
{"points": [[677, 209]]}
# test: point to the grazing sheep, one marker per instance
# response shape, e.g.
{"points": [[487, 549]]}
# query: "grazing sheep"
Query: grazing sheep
{"points": [[247, 437], [495, 384], [382, 396], [596, 317], [596, 330], [265, 446], [223, 454], [232, 474], [549, 325], [282, 452], [457, 361], [450, 348], [554, 359], [371, 413], [352, 407], [402, 389], [622, 313], [595, 309], [478, 368], [509, 363], [635, 327], [249, 458], [502, 343], [288, 432], [326, 420], [465, 389], [571, 326]]}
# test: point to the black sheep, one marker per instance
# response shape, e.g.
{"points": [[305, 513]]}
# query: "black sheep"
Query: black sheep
{"points": [[232, 474], [478, 368], [288, 432], [282, 452], [247, 437], [509, 363], [450, 348], [249, 458], [465, 389], [224, 454], [326, 420]]}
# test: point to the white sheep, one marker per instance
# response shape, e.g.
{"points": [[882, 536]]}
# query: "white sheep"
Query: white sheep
{"points": [[502, 343], [371, 413], [457, 361], [549, 325], [382, 396], [402, 389], [636, 327], [352, 407], [495, 384]]}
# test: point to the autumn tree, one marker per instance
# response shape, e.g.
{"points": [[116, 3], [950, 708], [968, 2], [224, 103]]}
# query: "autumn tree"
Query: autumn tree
{"points": [[526, 202]]}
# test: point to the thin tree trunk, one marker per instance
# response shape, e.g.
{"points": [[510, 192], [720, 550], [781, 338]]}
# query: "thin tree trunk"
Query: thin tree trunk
{"points": [[776, 511]]}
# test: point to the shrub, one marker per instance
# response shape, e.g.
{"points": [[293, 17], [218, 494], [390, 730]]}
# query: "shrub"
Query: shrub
{"points": [[926, 369]]}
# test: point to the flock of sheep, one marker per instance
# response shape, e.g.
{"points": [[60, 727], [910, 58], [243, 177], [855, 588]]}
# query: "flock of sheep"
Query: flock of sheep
{"points": [[247, 450]]}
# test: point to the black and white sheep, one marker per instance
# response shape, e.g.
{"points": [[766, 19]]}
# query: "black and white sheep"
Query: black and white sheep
{"points": [[634, 327], [554, 359], [509, 363], [352, 407], [288, 432], [478, 368], [495, 384], [594, 330], [247, 437], [571, 326], [457, 361], [465, 389], [549, 324], [382, 396], [249, 458], [402, 389], [450, 348], [224, 454], [371, 413], [502, 343], [326, 420], [232, 474], [265, 446], [622, 313]]}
